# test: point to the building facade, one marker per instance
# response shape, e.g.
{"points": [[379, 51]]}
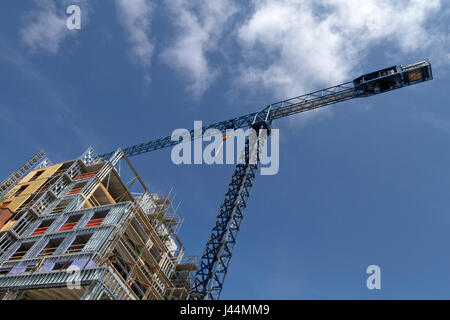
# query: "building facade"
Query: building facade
{"points": [[74, 230]]}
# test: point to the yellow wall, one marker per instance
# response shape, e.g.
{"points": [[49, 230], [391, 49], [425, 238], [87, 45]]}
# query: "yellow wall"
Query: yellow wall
{"points": [[31, 187], [48, 172]]}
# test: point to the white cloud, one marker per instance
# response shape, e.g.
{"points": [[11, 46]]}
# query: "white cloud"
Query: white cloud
{"points": [[284, 47], [200, 25], [308, 44], [135, 17], [44, 28]]}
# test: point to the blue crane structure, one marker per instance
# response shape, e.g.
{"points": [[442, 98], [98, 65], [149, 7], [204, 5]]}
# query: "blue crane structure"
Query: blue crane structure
{"points": [[219, 249], [217, 254]]}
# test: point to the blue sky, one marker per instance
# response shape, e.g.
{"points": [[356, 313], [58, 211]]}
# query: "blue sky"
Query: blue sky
{"points": [[360, 183]]}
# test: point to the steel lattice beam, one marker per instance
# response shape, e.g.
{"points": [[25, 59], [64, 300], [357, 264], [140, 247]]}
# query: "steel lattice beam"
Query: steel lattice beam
{"points": [[325, 97], [219, 248]]}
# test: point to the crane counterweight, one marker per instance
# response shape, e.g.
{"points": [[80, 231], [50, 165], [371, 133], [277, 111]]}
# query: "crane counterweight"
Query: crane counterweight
{"points": [[392, 78]]}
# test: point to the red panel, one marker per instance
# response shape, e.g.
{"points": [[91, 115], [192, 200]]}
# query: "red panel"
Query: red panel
{"points": [[4, 204], [39, 231], [68, 226], [74, 191], [5, 215], [94, 222], [84, 176]]}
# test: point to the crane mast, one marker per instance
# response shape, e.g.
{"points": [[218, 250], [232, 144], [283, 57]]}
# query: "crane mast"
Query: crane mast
{"points": [[217, 255]]}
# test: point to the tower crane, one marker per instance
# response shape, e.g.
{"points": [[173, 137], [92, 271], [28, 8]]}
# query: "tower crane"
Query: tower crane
{"points": [[217, 254]]}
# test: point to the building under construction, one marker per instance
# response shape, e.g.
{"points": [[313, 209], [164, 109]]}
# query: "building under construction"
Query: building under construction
{"points": [[75, 230]]}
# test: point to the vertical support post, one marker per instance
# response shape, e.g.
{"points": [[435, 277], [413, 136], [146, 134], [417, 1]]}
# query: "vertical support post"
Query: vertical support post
{"points": [[217, 255]]}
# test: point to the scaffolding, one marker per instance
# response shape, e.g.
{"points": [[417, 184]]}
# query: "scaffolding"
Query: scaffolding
{"points": [[82, 234]]}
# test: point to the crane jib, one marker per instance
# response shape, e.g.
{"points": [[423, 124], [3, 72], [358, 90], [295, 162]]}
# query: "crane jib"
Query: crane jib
{"points": [[377, 82]]}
